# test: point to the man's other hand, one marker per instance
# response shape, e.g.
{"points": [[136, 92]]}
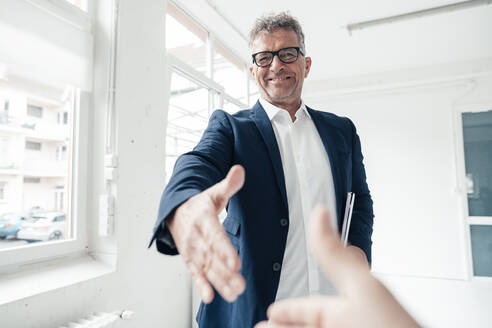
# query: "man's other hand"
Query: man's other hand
{"points": [[203, 243], [362, 301]]}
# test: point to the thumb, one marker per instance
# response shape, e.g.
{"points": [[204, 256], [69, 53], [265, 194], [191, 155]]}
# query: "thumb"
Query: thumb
{"points": [[339, 264], [225, 189]]}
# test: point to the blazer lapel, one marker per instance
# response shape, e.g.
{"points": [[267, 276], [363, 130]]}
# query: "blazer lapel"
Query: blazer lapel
{"points": [[265, 127], [327, 137]]}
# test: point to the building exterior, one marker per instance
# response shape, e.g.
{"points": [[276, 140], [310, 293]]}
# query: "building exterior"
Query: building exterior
{"points": [[35, 145]]}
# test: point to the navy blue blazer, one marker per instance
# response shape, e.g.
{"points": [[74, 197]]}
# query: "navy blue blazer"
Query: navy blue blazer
{"points": [[254, 214]]}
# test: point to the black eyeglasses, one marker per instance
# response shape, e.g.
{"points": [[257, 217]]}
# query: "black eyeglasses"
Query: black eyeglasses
{"points": [[286, 55]]}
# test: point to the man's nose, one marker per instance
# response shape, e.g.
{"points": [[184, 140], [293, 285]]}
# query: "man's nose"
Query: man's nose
{"points": [[276, 64]]}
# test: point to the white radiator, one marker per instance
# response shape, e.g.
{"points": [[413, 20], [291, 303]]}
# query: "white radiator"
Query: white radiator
{"points": [[100, 320]]}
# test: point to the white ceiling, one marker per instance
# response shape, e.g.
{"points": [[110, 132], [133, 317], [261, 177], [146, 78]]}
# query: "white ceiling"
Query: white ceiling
{"points": [[445, 38]]}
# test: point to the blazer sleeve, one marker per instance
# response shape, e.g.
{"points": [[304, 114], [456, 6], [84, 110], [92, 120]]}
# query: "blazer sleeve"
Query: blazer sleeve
{"points": [[362, 216], [195, 171]]}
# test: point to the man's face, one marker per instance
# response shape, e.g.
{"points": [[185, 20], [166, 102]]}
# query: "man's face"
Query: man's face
{"points": [[280, 83]]}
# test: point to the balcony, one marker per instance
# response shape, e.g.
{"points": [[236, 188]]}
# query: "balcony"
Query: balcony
{"points": [[40, 130], [45, 168], [9, 167]]}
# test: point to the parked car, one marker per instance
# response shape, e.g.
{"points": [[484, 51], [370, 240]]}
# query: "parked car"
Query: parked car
{"points": [[45, 226], [11, 222]]}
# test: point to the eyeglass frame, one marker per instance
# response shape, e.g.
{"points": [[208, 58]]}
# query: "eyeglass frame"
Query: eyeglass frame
{"points": [[275, 53]]}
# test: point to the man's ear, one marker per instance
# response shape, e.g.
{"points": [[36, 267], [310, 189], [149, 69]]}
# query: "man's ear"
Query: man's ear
{"points": [[307, 66], [252, 72]]}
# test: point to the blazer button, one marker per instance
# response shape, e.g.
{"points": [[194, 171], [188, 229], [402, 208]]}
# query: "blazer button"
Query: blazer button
{"points": [[284, 222], [276, 266]]}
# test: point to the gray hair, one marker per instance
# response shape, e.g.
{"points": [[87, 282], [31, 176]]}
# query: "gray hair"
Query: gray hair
{"points": [[271, 22]]}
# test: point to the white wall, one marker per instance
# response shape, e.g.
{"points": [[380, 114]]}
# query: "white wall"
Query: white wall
{"points": [[154, 286], [411, 142]]}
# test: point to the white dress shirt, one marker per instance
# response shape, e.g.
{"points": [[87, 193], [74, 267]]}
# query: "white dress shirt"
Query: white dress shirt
{"points": [[308, 182]]}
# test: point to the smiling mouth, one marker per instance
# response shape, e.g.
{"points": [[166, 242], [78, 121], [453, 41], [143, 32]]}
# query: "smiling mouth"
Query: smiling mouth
{"points": [[283, 78]]}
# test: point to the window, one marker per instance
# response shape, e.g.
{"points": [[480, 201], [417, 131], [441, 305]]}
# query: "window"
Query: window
{"points": [[231, 107], [43, 156], [254, 93], [477, 136], [61, 153], [32, 180], [59, 218], [187, 117], [185, 39], [205, 75], [62, 118], [477, 141], [481, 240], [31, 145], [35, 111], [49, 65], [59, 198], [227, 68]]}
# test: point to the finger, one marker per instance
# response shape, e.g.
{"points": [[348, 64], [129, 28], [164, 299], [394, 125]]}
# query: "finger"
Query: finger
{"points": [[308, 311], [271, 324], [203, 287], [296, 311], [225, 189], [341, 266], [228, 283], [207, 261], [196, 251], [219, 244]]}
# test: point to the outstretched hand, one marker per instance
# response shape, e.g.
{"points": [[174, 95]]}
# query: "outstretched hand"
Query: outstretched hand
{"points": [[203, 243], [362, 301]]}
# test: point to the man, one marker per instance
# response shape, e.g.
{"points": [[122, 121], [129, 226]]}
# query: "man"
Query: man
{"points": [[279, 159], [363, 300]]}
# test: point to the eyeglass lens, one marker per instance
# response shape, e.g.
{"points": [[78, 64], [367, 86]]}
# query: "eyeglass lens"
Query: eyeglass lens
{"points": [[286, 55]]}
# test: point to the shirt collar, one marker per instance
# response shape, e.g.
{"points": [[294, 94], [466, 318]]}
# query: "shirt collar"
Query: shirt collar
{"points": [[272, 110]]}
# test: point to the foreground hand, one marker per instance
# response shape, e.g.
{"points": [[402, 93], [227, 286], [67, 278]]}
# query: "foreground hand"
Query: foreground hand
{"points": [[363, 300], [202, 241]]}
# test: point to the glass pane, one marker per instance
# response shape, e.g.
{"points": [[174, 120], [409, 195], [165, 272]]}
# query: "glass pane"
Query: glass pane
{"points": [[481, 239], [187, 43], [230, 73], [477, 136], [187, 118], [34, 176], [230, 107], [254, 94]]}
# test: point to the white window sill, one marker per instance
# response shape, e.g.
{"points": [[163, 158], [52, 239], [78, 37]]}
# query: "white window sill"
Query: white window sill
{"points": [[44, 277]]}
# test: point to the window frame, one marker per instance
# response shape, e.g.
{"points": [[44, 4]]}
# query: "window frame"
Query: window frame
{"points": [[462, 182], [213, 44], [17, 258], [217, 94], [13, 259]]}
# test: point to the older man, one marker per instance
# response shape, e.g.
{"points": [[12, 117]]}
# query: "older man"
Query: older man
{"points": [[270, 165]]}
